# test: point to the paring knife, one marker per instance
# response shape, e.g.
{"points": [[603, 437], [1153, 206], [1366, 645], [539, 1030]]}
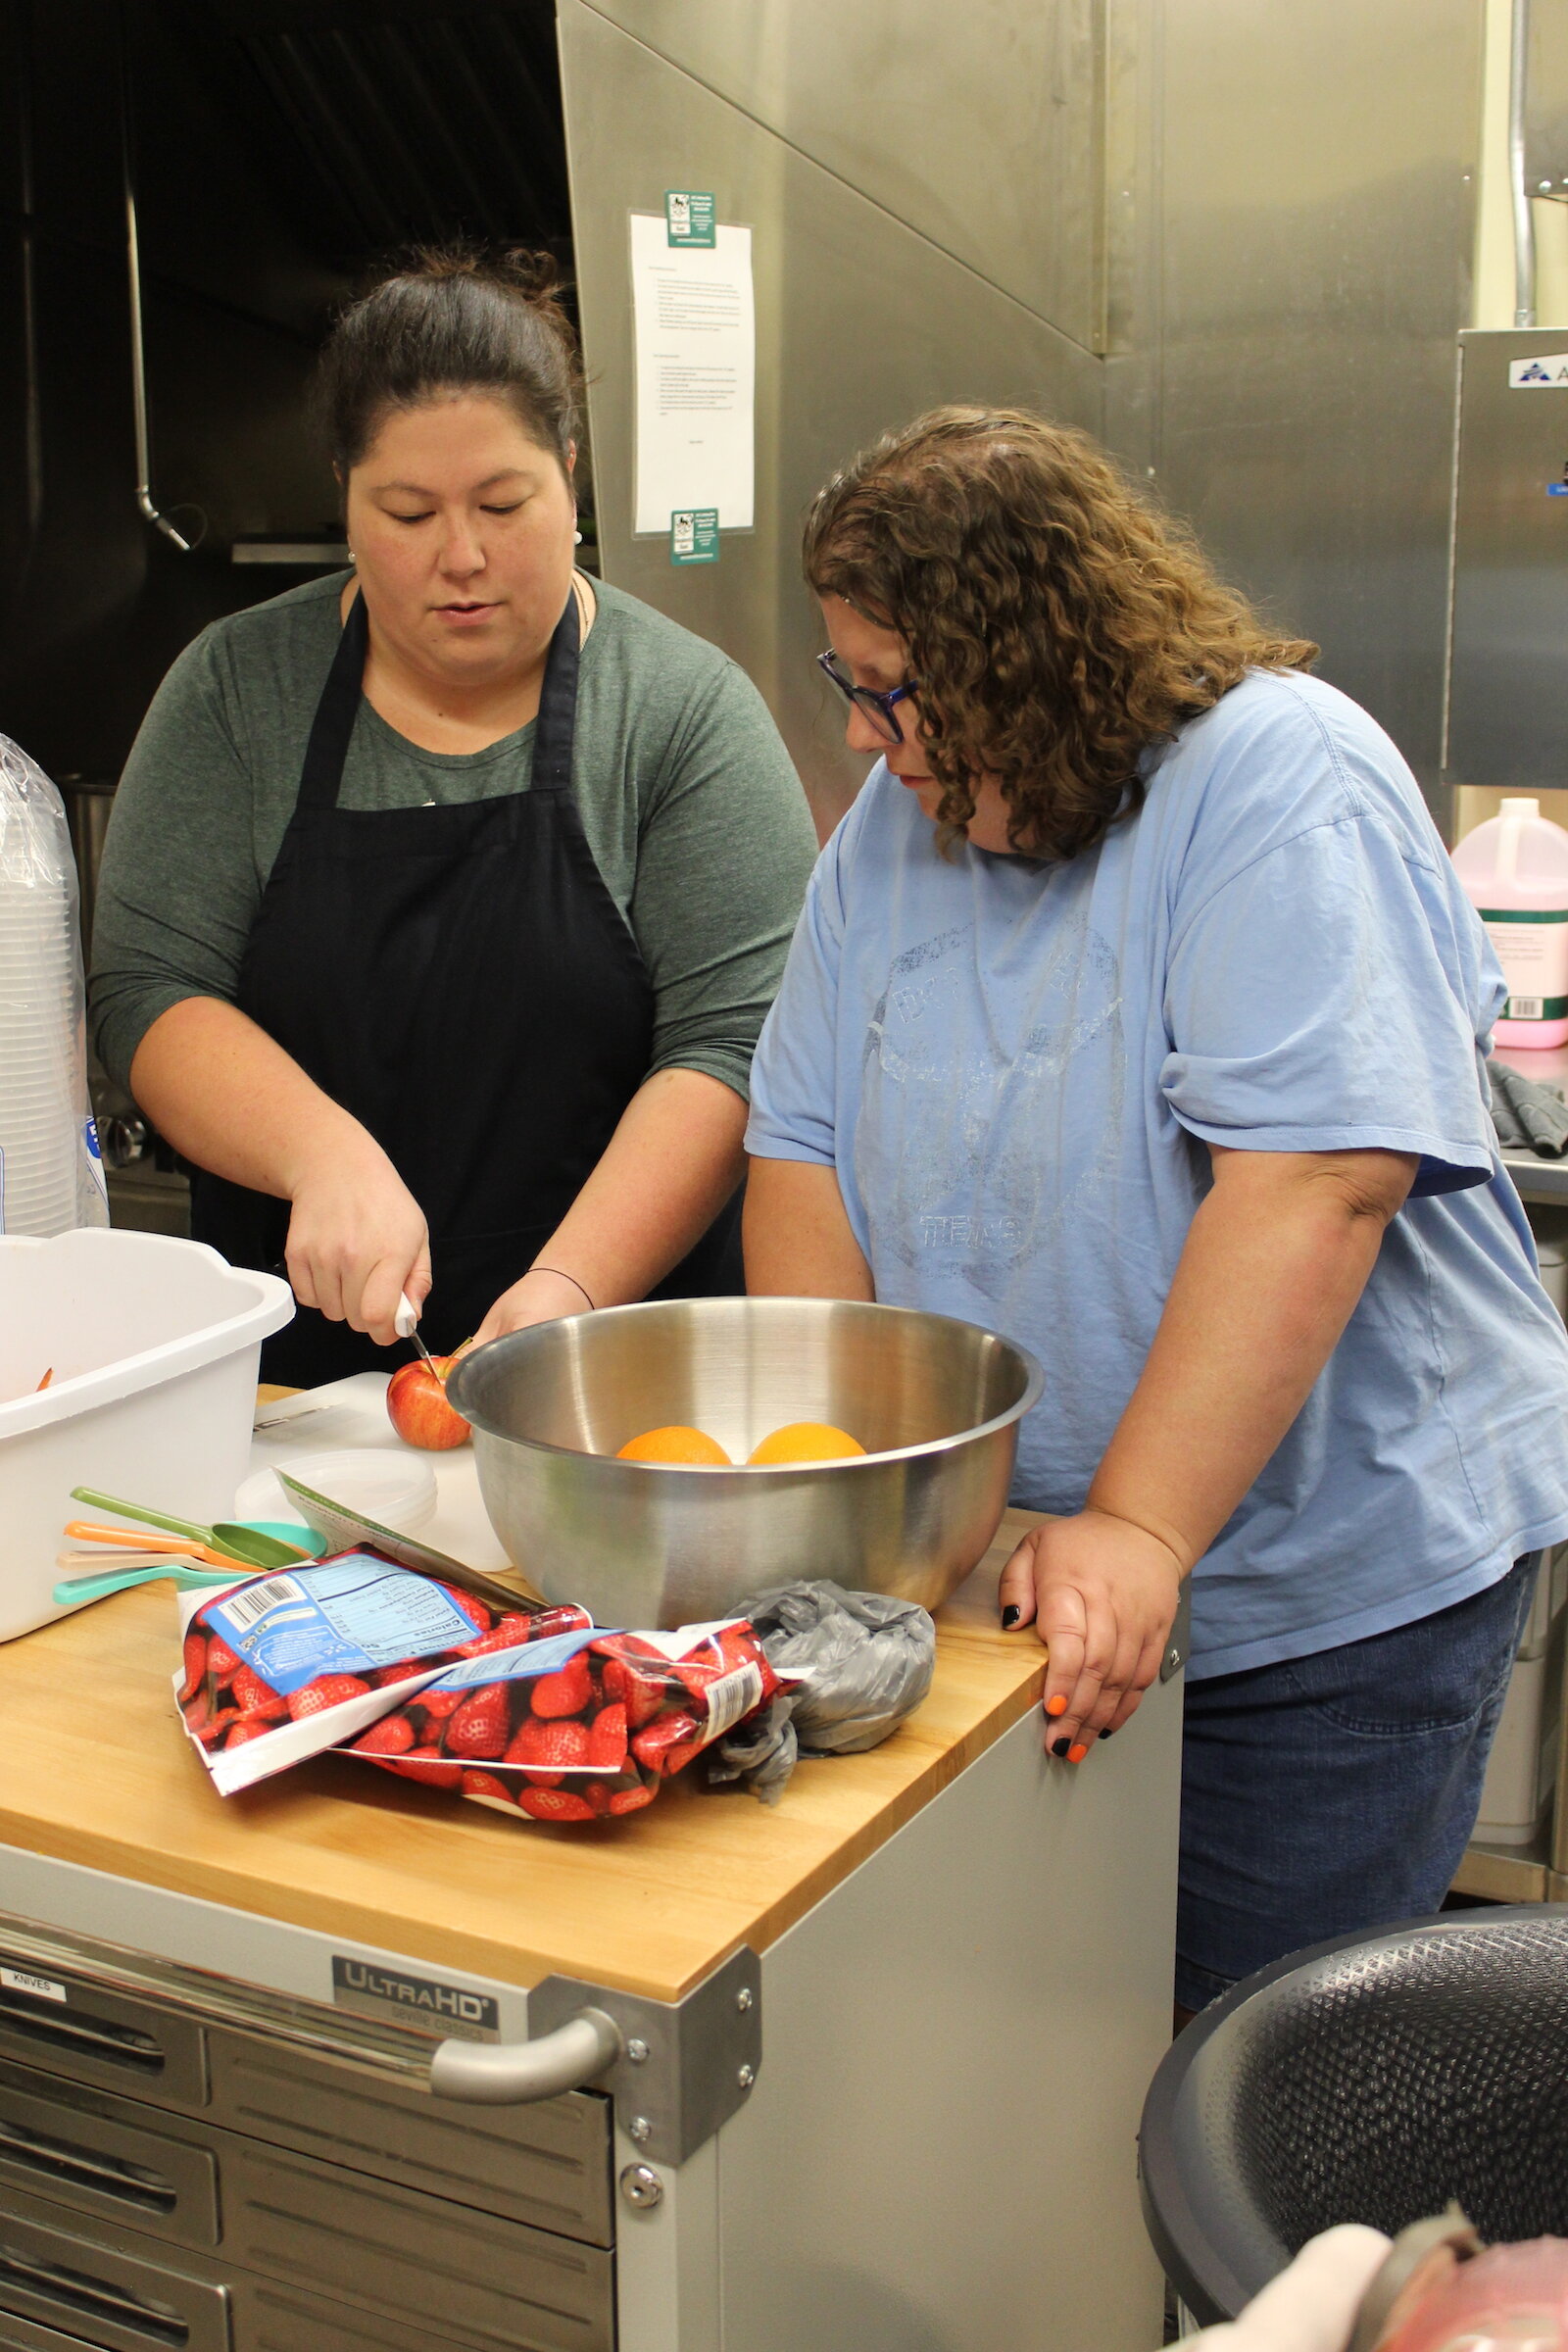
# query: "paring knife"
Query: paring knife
{"points": [[406, 1323]]}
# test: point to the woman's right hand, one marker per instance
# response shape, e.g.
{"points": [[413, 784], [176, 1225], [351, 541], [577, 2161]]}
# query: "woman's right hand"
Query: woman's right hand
{"points": [[356, 1237]]}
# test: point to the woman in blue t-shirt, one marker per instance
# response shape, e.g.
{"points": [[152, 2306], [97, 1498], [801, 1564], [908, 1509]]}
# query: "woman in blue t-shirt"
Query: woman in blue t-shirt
{"points": [[1135, 1011]]}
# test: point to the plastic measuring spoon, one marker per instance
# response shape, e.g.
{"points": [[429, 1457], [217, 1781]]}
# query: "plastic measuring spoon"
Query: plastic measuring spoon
{"points": [[228, 1537], [183, 1573], [81, 1531]]}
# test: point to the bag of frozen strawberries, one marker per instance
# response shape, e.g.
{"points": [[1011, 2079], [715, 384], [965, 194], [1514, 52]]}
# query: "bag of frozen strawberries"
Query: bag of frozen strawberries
{"points": [[582, 1724], [278, 1667]]}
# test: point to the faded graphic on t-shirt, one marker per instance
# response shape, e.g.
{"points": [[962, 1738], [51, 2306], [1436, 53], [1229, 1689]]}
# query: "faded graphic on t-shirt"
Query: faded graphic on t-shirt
{"points": [[969, 1154]]}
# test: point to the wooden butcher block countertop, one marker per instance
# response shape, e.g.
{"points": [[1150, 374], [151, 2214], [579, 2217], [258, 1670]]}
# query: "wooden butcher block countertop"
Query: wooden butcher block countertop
{"points": [[97, 1770]]}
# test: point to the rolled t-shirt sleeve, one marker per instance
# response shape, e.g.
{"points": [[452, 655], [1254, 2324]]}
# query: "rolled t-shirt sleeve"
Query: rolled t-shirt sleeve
{"points": [[793, 1077], [722, 866], [1309, 1010], [178, 891]]}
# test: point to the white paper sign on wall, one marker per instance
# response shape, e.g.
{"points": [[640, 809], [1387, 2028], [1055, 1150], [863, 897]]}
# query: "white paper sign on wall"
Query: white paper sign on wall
{"points": [[696, 339]]}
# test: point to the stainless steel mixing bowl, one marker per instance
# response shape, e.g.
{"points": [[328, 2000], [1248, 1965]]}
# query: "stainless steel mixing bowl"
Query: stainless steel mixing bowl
{"points": [[935, 1402]]}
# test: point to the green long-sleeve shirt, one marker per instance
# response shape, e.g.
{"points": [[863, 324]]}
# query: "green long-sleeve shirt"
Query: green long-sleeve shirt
{"points": [[693, 812]]}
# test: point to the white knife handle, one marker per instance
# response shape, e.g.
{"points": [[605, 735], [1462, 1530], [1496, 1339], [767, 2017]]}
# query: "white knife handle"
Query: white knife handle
{"points": [[406, 1322]]}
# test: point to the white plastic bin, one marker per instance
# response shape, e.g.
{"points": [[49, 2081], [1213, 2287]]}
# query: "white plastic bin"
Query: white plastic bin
{"points": [[154, 1345]]}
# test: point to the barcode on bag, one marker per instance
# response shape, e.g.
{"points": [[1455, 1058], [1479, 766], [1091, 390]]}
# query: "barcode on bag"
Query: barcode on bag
{"points": [[733, 1695], [243, 1608], [1525, 1008]]}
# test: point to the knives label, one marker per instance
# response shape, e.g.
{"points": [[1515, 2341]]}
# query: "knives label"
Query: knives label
{"points": [[42, 1988]]}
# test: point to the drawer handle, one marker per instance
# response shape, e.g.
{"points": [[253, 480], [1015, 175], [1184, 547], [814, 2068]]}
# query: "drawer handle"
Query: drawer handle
{"points": [[94, 2036], [82, 2296], [509, 2074], [64, 2163]]}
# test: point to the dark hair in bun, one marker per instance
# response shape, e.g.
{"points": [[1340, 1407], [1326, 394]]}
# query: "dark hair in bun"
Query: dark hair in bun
{"points": [[454, 319]]}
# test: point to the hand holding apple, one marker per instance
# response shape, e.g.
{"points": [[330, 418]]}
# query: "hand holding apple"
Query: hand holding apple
{"points": [[416, 1405]]}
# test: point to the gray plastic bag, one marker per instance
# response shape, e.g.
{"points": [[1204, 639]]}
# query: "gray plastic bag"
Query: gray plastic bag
{"points": [[863, 1663]]}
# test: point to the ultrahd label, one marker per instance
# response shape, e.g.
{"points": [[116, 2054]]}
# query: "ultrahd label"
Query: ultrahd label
{"points": [[422, 2003]]}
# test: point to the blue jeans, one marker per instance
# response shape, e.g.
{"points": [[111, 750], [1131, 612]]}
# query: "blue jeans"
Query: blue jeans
{"points": [[1336, 1792]]}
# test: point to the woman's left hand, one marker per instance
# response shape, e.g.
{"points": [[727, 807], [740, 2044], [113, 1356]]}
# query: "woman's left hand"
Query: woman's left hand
{"points": [[1102, 1594], [539, 1298]]}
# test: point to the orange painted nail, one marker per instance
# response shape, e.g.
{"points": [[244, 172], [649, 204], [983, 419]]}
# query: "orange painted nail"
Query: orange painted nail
{"points": [[1057, 1706], [1076, 1755]]}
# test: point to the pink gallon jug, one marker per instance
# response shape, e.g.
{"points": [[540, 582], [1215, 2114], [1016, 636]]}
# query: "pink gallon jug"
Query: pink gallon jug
{"points": [[1514, 869]]}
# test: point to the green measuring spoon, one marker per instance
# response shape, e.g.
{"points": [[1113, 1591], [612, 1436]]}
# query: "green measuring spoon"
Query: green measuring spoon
{"points": [[241, 1544]]}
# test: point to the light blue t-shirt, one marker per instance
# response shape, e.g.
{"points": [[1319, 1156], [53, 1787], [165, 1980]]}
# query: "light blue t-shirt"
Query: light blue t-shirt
{"points": [[1014, 1068]]}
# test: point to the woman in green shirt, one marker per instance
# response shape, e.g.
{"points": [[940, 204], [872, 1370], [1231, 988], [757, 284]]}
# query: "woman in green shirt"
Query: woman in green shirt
{"points": [[442, 903]]}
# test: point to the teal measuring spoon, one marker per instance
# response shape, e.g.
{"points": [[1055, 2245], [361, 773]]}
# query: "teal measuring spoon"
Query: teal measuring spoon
{"points": [[184, 1575]]}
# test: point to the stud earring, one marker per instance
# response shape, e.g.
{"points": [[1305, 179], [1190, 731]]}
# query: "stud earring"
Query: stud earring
{"points": [[576, 538]]}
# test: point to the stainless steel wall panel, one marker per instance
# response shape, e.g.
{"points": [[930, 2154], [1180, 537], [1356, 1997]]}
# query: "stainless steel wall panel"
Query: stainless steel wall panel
{"points": [[1546, 101], [980, 128], [1508, 674], [861, 322], [1317, 207]]}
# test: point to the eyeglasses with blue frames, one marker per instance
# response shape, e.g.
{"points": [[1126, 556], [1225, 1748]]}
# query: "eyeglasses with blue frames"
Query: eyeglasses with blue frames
{"points": [[878, 707]]}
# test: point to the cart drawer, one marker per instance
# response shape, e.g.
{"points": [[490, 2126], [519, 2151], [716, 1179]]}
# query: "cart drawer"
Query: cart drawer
{"points": [[110, 2289], [547, 2165], [426, 2260], [96, 2153], [97, 2035], [51, 2271]]}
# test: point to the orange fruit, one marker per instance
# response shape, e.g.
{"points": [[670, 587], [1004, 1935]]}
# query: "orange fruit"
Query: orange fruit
{"points": [[806, 1442], [675, 1444]]}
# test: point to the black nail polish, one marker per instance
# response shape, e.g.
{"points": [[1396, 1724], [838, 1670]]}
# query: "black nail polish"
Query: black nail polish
{"points": [[1059, 1748], [1105, 1734], [1010, 1616]]}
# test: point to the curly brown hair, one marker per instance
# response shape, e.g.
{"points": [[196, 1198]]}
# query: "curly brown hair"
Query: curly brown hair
{"points": [[1058, 625]]}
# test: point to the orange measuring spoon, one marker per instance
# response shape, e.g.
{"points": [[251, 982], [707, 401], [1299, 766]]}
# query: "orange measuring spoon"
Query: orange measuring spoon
{"points": [[171, 1543]]}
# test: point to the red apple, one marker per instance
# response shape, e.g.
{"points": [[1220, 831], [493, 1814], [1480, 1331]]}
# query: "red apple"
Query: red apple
{"points": [[416, 1403]]}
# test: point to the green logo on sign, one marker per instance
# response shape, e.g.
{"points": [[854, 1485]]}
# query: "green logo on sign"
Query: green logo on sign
{"points": [[689, 216], [694, 535]]}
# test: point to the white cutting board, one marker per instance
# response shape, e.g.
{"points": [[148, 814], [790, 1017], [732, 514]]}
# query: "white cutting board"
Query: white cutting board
{"points": [[356, 1415]]}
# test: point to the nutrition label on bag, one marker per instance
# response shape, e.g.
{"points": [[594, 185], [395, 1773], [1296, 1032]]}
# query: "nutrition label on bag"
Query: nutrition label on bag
{"points": [[345, 1616]]}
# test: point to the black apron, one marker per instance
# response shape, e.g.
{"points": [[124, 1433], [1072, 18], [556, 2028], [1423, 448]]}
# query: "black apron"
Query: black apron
{"points": [[461, 981]]}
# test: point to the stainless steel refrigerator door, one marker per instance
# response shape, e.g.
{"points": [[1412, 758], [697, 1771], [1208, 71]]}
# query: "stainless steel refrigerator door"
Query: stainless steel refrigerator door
{"points": [[1508, 668]]}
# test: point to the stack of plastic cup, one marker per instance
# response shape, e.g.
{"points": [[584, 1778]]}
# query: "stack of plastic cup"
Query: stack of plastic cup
{"points": [[43, 1075]]}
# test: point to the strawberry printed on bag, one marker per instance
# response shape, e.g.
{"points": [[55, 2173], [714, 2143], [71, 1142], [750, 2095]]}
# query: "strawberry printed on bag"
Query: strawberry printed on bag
{"points": [[578, 1729]]}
